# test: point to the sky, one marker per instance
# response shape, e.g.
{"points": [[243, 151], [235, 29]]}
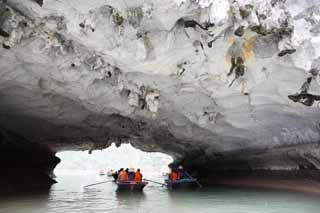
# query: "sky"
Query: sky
{"points": [[80, 162]]}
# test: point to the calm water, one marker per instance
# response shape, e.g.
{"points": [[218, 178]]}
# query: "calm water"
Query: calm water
{"points": [[69, 195]]}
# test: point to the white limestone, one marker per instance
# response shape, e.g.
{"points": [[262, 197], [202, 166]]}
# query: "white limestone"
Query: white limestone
{"points": [[129, 45]]}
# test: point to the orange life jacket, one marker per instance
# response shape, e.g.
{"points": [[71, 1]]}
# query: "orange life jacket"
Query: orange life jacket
{"points": [[123, 176], [173, 176], [137, 177]]}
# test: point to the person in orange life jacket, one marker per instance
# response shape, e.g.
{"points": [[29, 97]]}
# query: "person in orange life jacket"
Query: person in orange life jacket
{"points": [[138, 176], [173, 176], [123, 175]]}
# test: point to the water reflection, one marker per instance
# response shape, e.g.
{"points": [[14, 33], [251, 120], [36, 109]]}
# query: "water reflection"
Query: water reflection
{"points": [[130, 200], [34, 200], [69, 195], [20, 184]]}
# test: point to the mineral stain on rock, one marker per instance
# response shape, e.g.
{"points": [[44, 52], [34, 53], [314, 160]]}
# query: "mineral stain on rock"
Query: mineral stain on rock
{"points": [[247, 51]]}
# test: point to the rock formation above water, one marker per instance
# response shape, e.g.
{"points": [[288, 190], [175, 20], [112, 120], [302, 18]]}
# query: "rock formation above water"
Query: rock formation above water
{"points": [[217, 84]]}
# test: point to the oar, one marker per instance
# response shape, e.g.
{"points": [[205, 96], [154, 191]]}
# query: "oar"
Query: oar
{"points": [[99, 183], [200, 186], [162, 184]]}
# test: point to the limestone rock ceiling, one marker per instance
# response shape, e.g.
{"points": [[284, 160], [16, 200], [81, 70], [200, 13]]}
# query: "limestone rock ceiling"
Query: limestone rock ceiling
{"points": [[195, 79]]}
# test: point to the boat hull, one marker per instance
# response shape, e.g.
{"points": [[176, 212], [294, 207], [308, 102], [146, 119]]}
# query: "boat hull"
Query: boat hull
{"points": [[131, 186], [182, 184]]}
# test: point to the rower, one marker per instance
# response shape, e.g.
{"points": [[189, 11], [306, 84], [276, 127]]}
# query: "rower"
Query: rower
{"points": [[115, 175]]}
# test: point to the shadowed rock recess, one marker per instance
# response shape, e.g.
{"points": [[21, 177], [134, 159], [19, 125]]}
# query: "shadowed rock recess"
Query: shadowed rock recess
{"points": [[219, 85]]}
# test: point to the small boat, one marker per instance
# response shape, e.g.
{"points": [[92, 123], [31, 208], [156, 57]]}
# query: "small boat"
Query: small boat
{"points": [[165, 174], [101, 172], [110, 173], [182, 183], [131, 185]]}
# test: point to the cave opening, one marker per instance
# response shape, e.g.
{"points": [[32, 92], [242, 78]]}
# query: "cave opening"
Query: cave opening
{"points": [[99, 163]]}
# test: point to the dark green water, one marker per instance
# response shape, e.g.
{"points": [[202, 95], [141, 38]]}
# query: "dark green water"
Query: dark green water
{"points": [[69, 195]]}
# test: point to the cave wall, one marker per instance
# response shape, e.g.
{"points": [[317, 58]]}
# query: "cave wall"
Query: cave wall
{"points": [[24, 164], [161, 75]]}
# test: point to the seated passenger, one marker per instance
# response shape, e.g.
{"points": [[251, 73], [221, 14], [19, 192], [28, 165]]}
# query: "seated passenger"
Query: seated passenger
{"points": [[173, 176], [138, 176], [131, 174], [123, 176], [180, 173]]}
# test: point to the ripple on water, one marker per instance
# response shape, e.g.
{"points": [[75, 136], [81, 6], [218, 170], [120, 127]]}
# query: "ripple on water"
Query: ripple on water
{"points": [[69, 196]]}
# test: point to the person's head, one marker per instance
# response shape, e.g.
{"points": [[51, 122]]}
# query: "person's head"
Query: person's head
{"points": [[121, 170], [180, 167], [127, 169], [138, 170]]}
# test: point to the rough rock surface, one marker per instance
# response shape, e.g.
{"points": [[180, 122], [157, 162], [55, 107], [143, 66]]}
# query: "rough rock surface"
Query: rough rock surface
{"points": [[164, 76]]}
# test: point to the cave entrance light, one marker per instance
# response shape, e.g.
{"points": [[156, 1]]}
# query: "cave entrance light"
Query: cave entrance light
{"points": [[112, 158]]}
